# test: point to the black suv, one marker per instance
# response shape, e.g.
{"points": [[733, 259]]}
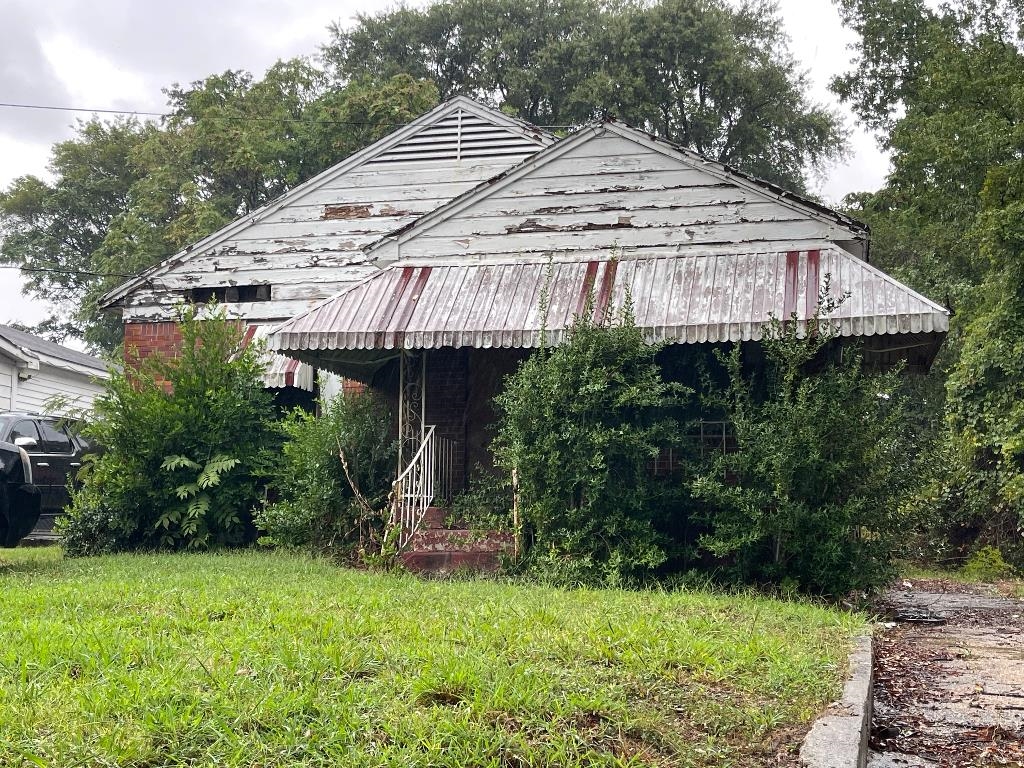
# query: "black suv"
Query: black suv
{"points": [[19, 499], [55, 452]]}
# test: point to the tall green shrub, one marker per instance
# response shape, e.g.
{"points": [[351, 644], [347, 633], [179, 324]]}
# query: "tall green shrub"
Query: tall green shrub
{"points": [[316, 507], [184, 444], [811, 497], [579, 427], [985, 390]]}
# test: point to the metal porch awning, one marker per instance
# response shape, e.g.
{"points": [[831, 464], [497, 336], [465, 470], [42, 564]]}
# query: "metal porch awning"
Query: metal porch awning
{"points": [[689, 299], [281, 371]]}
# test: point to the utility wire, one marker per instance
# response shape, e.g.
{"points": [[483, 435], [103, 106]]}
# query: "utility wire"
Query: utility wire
{"points": [[10, 105], [235, 118], [76, 272]]}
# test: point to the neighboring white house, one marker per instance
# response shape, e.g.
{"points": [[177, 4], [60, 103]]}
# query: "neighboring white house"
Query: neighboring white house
{"points": [[35, 373]]}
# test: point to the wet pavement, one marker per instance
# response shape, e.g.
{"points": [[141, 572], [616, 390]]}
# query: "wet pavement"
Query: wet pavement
{"points": [[949, 679]]}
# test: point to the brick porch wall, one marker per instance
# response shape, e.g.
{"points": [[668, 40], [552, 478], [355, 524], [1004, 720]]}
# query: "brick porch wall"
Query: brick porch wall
{"points": [[144, 339]]}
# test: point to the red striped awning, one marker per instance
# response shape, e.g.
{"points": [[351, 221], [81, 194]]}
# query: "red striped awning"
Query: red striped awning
{"points": [[689, 298], [281, 371]]}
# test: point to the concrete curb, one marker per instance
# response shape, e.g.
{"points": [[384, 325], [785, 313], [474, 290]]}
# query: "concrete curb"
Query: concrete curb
{"points": [[839, 738]]}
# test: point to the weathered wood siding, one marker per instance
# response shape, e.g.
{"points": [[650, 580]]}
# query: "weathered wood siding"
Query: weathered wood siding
{"points": [[310, 248], [611, 193]]}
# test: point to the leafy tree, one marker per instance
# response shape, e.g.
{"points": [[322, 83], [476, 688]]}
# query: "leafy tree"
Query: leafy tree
{"points": [[947, 84], [711, 76], [53, 229], [811, 497], [580, 426], [127, 195], [964, 120], [185, 442], [897, 41], [986, 392]]}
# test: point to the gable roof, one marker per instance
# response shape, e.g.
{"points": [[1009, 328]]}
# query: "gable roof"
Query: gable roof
{"points": [[33, 350], [459, 128], [686, 157]]}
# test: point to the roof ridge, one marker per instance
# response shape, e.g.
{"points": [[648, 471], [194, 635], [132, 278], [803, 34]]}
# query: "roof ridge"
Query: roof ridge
{"points": [[38, 346]]}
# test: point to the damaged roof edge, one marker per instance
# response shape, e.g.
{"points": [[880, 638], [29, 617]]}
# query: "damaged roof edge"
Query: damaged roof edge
{"points": [[110, 299]]}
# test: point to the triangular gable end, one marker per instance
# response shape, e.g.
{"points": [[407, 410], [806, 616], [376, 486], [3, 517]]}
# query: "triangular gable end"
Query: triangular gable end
{"points": [[459, 129], [463, 135], [610, 186]]}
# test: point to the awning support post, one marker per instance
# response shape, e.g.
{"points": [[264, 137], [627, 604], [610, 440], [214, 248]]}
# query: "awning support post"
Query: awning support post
{"points": [[411, 405]]}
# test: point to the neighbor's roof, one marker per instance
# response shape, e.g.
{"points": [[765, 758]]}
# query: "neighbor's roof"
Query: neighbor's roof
{"points": [[676, 298], [35, 348]]}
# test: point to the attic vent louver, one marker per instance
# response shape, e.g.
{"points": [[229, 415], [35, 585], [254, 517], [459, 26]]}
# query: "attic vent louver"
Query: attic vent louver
{"points": [[460, 136]]}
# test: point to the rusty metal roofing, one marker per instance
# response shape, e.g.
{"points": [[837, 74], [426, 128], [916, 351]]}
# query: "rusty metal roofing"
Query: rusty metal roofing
{"points": [[676, 298], [281, 371]]}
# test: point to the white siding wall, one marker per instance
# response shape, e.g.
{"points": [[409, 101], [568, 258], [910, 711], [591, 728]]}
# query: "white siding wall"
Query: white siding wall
{"points": [[35, 392], [7, 374]]}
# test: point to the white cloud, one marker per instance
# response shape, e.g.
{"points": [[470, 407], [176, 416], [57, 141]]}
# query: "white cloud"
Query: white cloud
{"points": [[93, 78]]}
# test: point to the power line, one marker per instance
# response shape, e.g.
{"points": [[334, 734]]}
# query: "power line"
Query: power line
{"points": [[51, 108], [75, 272], [234, 118]]}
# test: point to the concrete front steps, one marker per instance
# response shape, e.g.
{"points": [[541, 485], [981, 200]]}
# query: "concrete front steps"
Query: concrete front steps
{"points": [[435, 549]]}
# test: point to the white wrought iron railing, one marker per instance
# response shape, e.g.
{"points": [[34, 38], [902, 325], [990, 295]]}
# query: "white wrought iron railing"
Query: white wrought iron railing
{"points": [[425, 482]]}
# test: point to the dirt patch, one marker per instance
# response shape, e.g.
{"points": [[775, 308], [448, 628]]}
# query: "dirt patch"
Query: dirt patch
{"points": [[949, 678]]}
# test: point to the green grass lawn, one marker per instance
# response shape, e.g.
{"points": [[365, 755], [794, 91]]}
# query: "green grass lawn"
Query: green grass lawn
{"points": [[258, 659]]}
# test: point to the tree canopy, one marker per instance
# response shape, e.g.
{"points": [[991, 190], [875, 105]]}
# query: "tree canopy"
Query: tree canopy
{"points": [[127, 194], [945, 89], [714, 76]]}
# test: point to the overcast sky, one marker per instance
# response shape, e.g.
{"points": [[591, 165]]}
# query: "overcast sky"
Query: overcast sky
{"points": [[118, 54]]}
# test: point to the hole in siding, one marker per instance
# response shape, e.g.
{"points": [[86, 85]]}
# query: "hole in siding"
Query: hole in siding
{"points": [[228, 294]]}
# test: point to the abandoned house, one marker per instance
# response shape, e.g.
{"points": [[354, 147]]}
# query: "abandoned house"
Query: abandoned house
{"points": [[417, 267]]}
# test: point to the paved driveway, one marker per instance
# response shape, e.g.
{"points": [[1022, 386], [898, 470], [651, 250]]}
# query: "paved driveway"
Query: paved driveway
{"points": [[949, 678]]}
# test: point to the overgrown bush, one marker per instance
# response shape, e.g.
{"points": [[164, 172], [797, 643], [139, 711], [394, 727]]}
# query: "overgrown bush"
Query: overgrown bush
{"points": [[184, 443], [580, 426], [316, 508], [485, 504], [812, 496], [987, 564]]}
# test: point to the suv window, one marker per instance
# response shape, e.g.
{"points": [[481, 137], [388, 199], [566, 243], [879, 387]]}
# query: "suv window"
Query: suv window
{"points": [[55, 439], [25, 428]]}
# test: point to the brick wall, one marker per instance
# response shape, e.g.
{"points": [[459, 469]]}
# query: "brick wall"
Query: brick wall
{"points": [[143, 339]]}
